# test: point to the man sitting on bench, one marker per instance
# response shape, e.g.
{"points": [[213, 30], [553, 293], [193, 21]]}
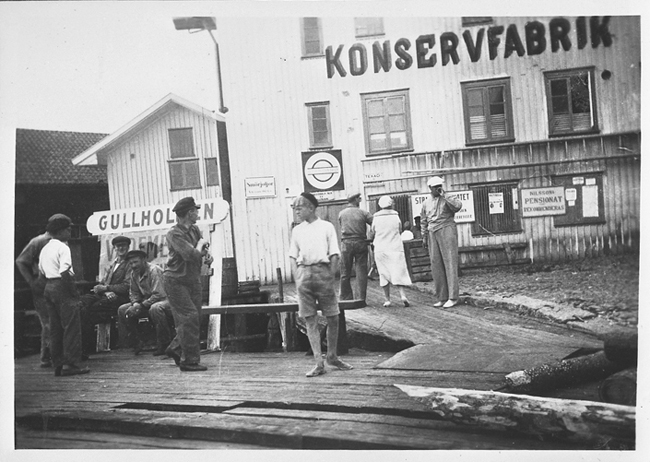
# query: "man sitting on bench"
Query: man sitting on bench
{"points": [[148, 298], [112, 291]]}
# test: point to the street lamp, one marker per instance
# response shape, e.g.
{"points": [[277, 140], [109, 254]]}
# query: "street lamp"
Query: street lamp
{"points": [[197, 24]]}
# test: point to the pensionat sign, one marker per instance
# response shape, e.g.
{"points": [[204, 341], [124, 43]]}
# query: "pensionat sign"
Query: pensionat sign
{"points": [[212, 211], [543, 201]]}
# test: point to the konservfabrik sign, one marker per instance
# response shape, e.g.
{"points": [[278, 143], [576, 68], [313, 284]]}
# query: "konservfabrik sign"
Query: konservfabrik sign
{"points": [[536, 38]]}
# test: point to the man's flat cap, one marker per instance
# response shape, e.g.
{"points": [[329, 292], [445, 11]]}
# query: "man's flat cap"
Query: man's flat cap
{"points": [[185, 203], [135, 253], [353, 196], [121, 240], [57, 222]]}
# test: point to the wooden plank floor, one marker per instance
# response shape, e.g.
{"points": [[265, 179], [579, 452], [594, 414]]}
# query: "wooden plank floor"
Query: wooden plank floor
{"points": [[264, 400]]}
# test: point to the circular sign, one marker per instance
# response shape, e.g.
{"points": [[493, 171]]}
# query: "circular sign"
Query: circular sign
{"points": [[322, 170]]}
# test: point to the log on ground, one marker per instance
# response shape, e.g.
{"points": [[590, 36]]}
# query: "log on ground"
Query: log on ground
{"points": [[550, 418]]}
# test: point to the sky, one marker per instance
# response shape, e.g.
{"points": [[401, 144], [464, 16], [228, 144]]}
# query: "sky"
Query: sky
{"points": [[94, 66]]}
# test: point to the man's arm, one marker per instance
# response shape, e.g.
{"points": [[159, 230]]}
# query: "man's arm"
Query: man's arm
{"points": [[135, 293], [334, 263], [424, 224], [24, 263], [157, 289], [452, 202]]}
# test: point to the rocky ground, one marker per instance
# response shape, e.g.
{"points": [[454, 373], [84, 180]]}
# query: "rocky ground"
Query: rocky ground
{"points": [[595, 294]]}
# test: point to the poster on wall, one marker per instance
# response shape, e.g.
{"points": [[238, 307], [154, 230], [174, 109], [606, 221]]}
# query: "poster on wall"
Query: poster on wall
{"points": [[323, 170], [539, 202], [464, 215], [495, 201]]}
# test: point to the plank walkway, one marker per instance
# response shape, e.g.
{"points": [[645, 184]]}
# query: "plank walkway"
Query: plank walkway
{"points": [[264, 400]]}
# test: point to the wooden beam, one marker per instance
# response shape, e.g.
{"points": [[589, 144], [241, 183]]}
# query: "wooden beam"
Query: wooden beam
{"points": [[273, 307], [572, 420]]}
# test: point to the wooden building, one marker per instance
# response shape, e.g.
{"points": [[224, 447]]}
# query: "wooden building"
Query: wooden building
{"points": [[535, 120]]}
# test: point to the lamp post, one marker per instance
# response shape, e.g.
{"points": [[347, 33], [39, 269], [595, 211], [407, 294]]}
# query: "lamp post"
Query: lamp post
{"points": [[198, 24]]}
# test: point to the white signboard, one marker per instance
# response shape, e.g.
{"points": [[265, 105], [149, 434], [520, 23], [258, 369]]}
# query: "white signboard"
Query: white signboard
{"points": [[543, 201], [152, 217], [464, 215], [496, 203], [260, 186], [571, 194]]}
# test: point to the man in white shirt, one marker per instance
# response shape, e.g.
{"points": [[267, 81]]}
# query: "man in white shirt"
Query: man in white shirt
{"points": [[55, 262], [314, 255]]}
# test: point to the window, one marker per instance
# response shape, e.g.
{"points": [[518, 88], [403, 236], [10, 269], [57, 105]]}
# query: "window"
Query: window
{"points": [[571, 102], [184, 166], [469, 21], [312, 37], [496, 209], [488, 111], [320, 133], [368, 27], [211, 171], [386, 121], [583, 194]]}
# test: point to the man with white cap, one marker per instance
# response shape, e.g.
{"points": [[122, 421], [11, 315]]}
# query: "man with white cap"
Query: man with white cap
{"points": [[440, 236]]}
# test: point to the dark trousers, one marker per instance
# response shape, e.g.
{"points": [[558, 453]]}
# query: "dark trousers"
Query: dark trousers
{"points": [[160, 316], [354, 251], [40, 305], [65, 327], [96, 309], [185, 300]]}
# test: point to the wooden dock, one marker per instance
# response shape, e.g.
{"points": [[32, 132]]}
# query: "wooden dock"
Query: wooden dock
{"points": [[263, 400]]}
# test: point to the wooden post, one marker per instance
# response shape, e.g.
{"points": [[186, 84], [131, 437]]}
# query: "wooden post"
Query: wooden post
{"points": [[214, 334], [342, 343], [103, 337], [585, 421]]}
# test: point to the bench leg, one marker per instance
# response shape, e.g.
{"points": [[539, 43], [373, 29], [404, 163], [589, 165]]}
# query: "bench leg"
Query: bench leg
{"points": [[103, 337], [288, 330]]}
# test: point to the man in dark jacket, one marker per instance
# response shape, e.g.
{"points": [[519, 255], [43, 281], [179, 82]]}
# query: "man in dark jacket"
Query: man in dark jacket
{"points": [[101, 305]]}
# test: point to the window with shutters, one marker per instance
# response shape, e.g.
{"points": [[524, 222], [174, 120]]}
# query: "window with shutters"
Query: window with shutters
{"points": [[488, 111], [496, 208], [368, 27], [318, 117], [211, 171], [386, 118], [583, 194], [183, 166], [312, 37], [571, 102]]}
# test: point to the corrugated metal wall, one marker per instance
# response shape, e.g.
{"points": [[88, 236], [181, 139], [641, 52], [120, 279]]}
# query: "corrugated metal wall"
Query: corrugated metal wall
{"points": [[267, 84], [139, 171]]}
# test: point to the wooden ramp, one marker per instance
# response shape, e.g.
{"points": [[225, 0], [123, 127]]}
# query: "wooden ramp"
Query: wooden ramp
{"points": [[259, 399], [264, 400]]}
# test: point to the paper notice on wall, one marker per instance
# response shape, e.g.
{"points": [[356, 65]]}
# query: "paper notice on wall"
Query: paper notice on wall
{"points": [[571, 194], [496, 203], [515, 199], [590, 201], [590, 181]]}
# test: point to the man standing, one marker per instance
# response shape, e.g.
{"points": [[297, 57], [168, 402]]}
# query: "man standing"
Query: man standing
{"points": [[314, 255], [112, 291], [354, 247], [182, 280], [62, 299], [148, 298], [27, 263], [440, 235]]}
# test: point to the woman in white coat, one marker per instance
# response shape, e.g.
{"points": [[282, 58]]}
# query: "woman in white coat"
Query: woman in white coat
{"points": [[389, 250]]}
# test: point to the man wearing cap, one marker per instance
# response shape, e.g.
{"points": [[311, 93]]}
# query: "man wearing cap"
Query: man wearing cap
{"points": [[101, 305], [62, 299], [354, 246], [188, 250], [440, 236], [314, 255], [27, 263], [148, 298]]}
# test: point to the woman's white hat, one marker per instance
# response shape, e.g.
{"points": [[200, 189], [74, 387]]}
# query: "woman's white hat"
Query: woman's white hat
{"points": [[385, 202]]}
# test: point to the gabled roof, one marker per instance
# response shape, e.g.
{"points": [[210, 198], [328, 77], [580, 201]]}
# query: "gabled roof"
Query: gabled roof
{"points": [[96, 154], [45, 157]]}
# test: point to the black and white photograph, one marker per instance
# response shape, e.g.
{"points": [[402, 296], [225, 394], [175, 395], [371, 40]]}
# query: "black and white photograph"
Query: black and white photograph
{"points": [[395, 229]]}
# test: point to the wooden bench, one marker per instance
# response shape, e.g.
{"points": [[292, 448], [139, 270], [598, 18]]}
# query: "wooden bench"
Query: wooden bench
{"points": [[288, 312]]}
